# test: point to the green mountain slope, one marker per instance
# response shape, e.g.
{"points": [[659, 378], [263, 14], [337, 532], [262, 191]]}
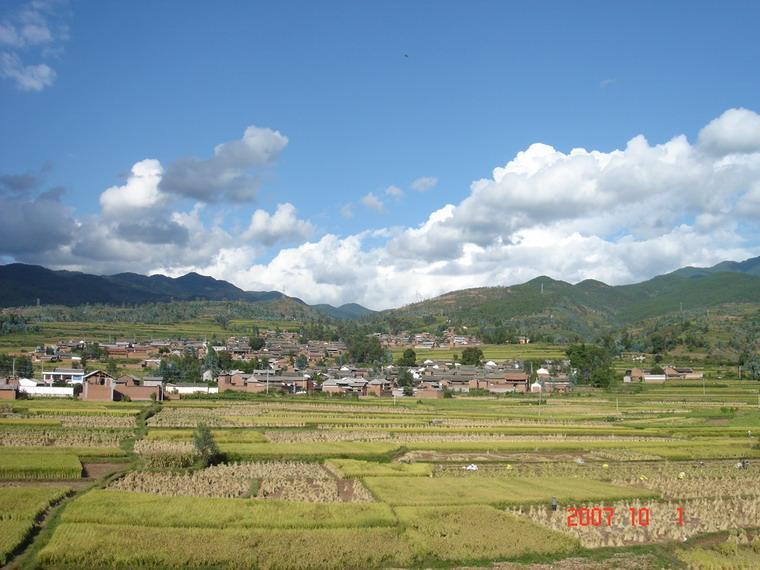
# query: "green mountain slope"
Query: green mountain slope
{"points": [[349, 311], [587, 308]]}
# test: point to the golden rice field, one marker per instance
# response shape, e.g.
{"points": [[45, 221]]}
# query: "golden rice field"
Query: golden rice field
{"points": [[371, 483]]}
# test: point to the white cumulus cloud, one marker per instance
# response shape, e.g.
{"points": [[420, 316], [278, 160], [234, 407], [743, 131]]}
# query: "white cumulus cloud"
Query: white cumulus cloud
{"points": [[735, 131], [282, 226], [140, 191]]}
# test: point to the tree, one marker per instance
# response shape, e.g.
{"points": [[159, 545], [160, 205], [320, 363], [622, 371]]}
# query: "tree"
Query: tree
{"points": [[366, 349], [211, 362], [472, 355], [223, 321], [24, 366], [405, 378], [205, 445], [185, 368], [657, 369], [257, 343], [409, 358], [112, 368], [752, 367], [593, 364]]}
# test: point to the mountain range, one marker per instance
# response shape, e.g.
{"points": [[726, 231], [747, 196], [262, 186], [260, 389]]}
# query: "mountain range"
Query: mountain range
{"points": [[586, 308], [22, 285], [542, 302]]}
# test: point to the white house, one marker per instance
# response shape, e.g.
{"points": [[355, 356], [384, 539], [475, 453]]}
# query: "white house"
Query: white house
{"points": [[68, 375]]}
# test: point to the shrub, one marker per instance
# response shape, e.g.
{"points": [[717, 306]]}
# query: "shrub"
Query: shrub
{"points": [[728, 547], [205, 445]]}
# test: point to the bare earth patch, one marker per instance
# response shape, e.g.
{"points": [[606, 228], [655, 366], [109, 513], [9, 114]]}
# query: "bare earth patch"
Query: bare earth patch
{"points": [[99, 470]]}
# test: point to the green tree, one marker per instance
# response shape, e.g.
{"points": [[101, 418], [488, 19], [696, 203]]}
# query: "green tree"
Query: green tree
{"points": [[205, 446], [592, 363], [752, 367], [223, 321], [112, 368], [365, 349], [472, 355], [257, 343], [24, 366], [405, 378], [211, 362], [409, 358]]}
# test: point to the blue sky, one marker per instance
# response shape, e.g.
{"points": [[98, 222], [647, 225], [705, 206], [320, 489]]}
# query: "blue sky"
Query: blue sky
{"points": [[369, 96]]}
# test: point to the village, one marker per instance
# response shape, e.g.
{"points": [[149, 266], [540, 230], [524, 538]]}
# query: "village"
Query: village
{"points": [[277, 363]]}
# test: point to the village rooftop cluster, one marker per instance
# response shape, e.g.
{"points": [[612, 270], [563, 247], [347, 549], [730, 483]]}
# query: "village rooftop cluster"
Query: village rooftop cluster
{"points": [[279, 363]]}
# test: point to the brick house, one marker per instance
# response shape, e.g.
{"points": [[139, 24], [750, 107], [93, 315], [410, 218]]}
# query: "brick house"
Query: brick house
{"points": [[98, 386], [501, 382], [7, 391]]}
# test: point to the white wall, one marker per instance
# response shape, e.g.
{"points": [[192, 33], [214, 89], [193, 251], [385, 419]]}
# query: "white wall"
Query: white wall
{"points": [[47, 391]]}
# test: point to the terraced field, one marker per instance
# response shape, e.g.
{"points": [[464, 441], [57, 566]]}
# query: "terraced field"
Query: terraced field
{"points": [[320, 483]]}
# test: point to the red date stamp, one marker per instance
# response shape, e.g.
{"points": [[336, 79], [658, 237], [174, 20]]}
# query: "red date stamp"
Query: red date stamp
{"points": [[603, 516]]}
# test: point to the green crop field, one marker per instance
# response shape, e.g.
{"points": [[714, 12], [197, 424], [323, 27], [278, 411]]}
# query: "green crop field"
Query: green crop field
{"points": [[373, 483], [19, 509], [76, 545], [25, 503], [41, 465], [534, 351], [494, 491], [128, 508], [107, 331], [477, 533]]}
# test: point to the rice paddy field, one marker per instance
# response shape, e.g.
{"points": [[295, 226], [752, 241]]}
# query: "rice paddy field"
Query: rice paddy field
{"points": [[663, 477]]}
